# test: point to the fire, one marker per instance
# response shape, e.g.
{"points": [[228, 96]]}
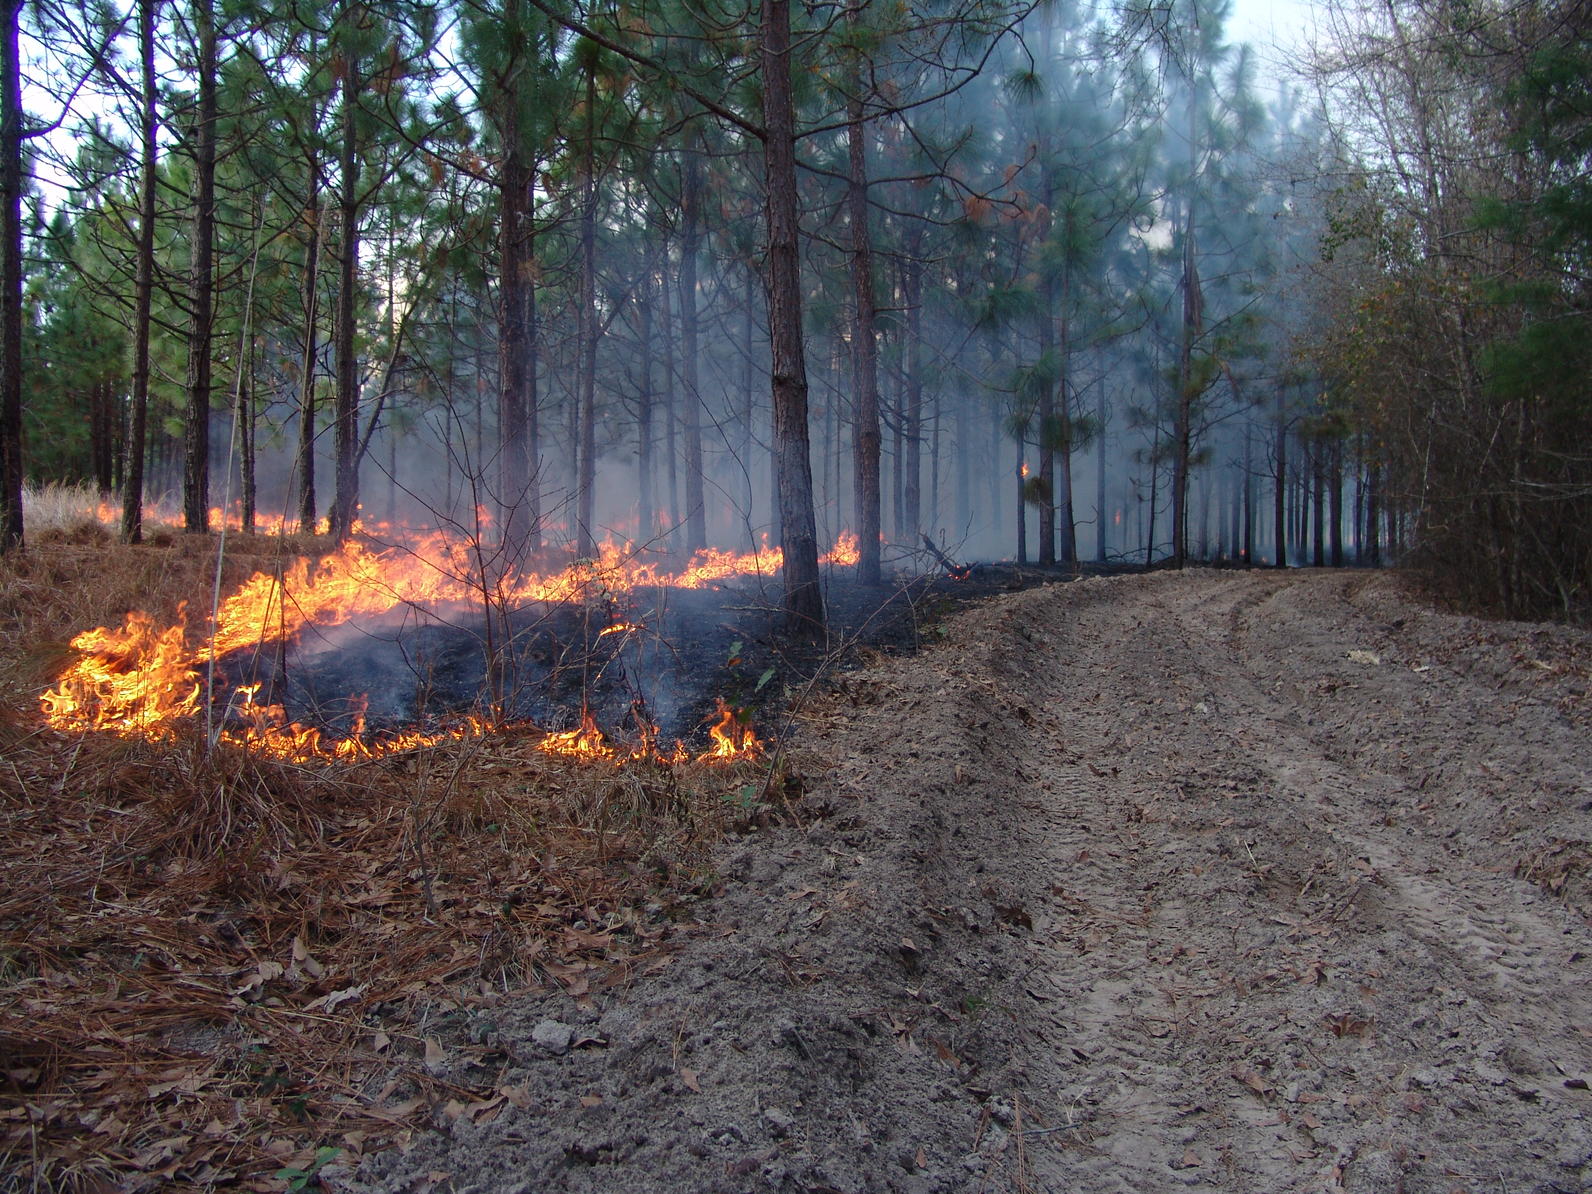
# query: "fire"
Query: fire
{"points": [[732, 738], [1022, 470], [586, 741], [142, 679], [844, 552]]}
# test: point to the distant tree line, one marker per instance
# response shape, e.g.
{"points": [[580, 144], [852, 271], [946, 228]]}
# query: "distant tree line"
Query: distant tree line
{"points": [[1058, 282]]}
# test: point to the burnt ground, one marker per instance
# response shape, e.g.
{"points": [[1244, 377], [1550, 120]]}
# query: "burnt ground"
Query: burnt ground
{"points": [[685, 650], [1246, 881]]}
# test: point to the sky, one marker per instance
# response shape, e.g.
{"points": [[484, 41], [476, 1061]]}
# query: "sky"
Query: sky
{"points": [[1264, 22]]}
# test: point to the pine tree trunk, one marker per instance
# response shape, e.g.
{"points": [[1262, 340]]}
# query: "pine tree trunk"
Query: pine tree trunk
{"points": [[246, 430], [1183, 429], [103, 433], [1280, 530], [201, 282], [804, 603], [11, 466], [516, 482], [696, 533], [748, 404], [670, 407], [864, 340], [345, 500], [1337, 503], [912, 394], [586, 480], [1066, 525], [311, 314], [1022, 507], [143, 287], [1318, 494], [1155, 464], [1373, 517], [645, 517], [1101, 521]]}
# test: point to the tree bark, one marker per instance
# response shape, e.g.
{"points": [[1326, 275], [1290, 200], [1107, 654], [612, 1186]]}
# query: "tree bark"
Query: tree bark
{"points": [[1183, 429], [804, 603], [645, 517], [311, 314], [696, 515], [11, 280], [1280, 498], [671, 449], [864, 340], [201, 282], [345, 502], [911, 414], [1337, 503], [143, 286], [586, 478], [516, 483]]}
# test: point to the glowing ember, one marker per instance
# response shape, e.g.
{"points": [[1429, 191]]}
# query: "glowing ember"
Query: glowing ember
{"points": [[143, 679]]}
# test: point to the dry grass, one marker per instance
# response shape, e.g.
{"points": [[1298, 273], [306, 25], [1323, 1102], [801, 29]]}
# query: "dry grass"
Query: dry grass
{"points": [[214, 964]]}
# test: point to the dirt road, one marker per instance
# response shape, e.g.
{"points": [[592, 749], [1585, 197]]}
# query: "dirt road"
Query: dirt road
{"points": [[1241, 881]]}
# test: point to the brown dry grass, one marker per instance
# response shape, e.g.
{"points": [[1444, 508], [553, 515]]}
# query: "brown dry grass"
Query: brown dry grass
{"points": [[214, 964]]}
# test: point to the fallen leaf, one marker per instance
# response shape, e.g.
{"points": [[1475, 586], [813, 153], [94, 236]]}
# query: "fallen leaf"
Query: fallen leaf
{"points": [[435, 1055], [1190, 1160], [1252, 1080], [689, 1077], [330, 1001], [591, 1100], [519, 1096]]}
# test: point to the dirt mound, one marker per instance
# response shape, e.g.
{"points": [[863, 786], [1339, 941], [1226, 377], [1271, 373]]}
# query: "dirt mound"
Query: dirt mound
{"points": [[1244, 881]]}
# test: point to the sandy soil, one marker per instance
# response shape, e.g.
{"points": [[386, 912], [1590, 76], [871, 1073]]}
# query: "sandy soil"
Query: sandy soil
{"points": [[1240, 881]]}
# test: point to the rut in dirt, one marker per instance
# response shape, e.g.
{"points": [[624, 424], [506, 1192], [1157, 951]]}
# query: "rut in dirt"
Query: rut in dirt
{"points": [[1240, 881]]}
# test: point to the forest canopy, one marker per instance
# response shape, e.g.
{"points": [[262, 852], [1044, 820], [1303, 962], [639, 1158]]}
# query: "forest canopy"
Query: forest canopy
{"points": [[1064, 282]]}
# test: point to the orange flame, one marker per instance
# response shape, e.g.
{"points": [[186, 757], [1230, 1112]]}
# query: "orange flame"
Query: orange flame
{"points": [[585, 741], [844, 552], [732, 738], [142, 679]]}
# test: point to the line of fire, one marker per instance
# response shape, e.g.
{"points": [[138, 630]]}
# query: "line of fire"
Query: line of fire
{"points": [[407, 613]]}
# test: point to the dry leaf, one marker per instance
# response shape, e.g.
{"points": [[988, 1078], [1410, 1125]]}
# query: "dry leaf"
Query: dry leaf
{"points": [[1190, 1160], [519, 1096], [591, 1100], [435, 1055], [1252, 1080], [689, 1077]]}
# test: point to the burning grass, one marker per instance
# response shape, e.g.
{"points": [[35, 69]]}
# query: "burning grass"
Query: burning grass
{"points": [[215, 964]]}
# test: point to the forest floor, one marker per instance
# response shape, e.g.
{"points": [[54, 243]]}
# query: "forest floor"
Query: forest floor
{"points": [[1247, 881]]}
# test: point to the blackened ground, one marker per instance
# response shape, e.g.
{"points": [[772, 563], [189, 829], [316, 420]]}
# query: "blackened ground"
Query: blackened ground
{"points": [[684, 651]]}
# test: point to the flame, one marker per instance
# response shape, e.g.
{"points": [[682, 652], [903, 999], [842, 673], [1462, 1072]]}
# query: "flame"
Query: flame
{"points": [[586, 741], [844, 552], [732, 738], [143, 679], [1022, 470]]}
